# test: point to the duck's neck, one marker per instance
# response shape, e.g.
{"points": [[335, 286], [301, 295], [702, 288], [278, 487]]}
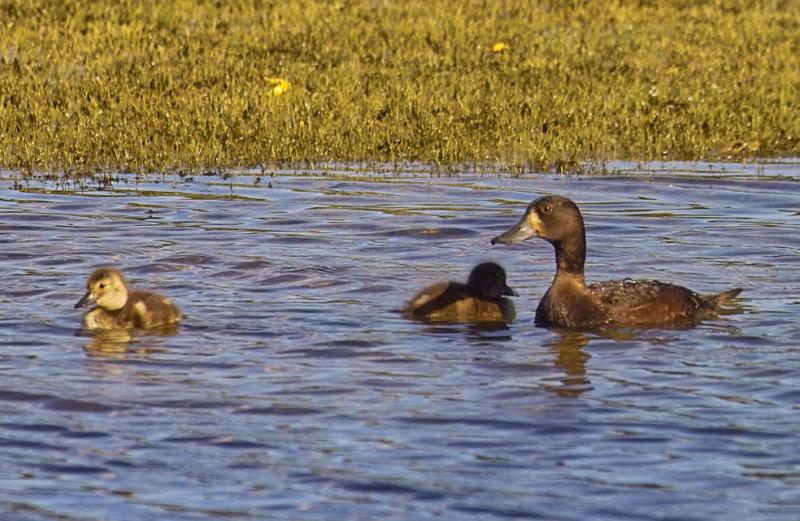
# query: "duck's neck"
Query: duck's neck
{"points": [[571, 256]]}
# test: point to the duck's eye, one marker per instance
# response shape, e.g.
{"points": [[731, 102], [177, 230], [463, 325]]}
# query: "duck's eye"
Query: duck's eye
{"points": [[102, 285], [547, 208]]}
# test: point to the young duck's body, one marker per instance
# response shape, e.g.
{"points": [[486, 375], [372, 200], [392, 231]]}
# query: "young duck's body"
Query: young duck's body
{"points": [[119, 307], [570, 303], [481, 299]]}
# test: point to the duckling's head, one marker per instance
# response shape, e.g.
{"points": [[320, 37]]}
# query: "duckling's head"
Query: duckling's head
{"points": [[106, 287], [553, 218], [489, 280]]}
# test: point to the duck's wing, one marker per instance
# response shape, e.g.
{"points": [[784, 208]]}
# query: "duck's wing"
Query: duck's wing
{"points": [[648, 301], [147, 309], [630, 293], [454, 302], [431, 298]]}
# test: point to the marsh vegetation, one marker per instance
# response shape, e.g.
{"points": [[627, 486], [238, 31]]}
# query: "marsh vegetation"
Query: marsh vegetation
{"points": [[191, 85]]}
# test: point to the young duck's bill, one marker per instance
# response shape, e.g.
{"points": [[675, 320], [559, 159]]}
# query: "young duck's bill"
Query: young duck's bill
{"points": [[524, 229], [85, 300], [510, 292]]}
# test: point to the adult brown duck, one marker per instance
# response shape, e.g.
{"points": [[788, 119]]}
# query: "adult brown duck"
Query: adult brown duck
{"points": [[481, 299], [570, 303]]}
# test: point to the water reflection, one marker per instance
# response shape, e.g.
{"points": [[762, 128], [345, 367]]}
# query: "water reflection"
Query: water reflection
{"points": [[568, 348], [119, 343]]}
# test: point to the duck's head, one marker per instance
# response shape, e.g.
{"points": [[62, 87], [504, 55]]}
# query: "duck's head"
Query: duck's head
{"points": [[489, 280], [553, 218], [106, 287]]}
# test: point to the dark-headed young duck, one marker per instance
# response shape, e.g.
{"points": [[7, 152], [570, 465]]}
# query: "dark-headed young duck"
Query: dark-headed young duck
{"points": [[119, 307], [481, 299], [571, 303]]}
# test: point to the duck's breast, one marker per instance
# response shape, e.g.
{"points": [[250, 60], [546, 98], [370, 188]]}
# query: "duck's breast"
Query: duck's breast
{"points": [[99, 318], [570, 304]]}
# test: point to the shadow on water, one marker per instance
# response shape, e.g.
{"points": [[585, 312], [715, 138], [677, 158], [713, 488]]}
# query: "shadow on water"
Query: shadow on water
{"points": [[293, 390]]}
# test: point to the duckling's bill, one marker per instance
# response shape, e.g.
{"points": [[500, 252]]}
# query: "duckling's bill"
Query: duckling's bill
{"points": [[510, 292], [87, 299], [527, 227]]}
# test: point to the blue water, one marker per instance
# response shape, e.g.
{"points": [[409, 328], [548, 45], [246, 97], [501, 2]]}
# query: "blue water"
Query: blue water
{"points": [[294, 390]]}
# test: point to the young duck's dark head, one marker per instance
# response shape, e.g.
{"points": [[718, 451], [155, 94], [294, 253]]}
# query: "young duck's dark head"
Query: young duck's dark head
{"points": [[557, 220], [489, 280]]}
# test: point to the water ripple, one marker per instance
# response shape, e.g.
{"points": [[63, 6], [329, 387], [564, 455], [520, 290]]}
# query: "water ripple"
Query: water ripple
{"points": [[294, 389]]}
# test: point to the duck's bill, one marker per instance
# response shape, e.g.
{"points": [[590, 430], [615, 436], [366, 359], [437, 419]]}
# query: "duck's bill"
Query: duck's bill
{"points": [[85, 300], [510, 292], [523, 230]]}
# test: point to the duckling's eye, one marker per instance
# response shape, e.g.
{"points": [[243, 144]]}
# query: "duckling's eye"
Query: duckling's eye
{"points": [[102, 285], [547, 208]]}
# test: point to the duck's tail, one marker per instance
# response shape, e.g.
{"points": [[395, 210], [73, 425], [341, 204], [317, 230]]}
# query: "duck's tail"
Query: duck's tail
{"points": [[722, 298]]}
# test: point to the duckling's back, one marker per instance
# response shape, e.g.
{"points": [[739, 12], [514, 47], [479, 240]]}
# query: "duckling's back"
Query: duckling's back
{"points": [[453, 302], [143, 309], [153, 310]]}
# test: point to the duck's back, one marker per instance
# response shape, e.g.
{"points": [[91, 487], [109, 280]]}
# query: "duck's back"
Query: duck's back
{"points": [[643, 302], [153, 310], [143, 309], [454, 302]]}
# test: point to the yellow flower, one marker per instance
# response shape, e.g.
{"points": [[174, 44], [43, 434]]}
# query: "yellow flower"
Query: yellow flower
{"points": [[499, 47], [279, 86]]}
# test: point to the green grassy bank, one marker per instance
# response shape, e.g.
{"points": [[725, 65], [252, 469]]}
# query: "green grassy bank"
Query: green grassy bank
{"points": [[155, 86]]}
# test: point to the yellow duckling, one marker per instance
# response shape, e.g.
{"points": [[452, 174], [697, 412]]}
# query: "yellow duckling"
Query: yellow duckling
{"points": [[119, 307], [479, 300]]}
